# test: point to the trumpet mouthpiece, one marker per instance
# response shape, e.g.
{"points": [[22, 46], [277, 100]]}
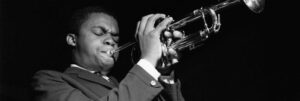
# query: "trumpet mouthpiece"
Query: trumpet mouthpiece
{"points": [[110, 52]]}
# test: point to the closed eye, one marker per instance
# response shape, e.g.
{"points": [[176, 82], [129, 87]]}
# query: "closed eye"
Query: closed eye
{"points": [[99, 31]]}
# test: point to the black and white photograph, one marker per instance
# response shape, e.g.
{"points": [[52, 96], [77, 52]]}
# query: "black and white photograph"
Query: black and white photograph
{"points": [[150, 50]]}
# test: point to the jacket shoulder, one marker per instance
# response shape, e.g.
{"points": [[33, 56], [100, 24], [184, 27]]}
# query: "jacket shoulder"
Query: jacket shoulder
{"points": [[56, 86], [47, 79], [45, 75]]}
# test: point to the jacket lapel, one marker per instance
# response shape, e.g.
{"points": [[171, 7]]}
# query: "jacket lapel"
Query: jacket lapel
{"points": [[90, 77]]}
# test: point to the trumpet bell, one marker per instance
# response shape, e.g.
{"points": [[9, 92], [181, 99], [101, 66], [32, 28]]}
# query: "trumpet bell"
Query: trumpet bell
{"points": [[256, 6]]}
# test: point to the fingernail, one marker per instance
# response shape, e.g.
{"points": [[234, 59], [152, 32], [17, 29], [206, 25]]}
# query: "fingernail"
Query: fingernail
{"points": [[171, 51], [169, 64], [163, 65], [177, 33], [174, 61], [171, 18], [167, 34]]}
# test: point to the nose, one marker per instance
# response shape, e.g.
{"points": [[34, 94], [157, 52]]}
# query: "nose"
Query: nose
{"points": [[109, 41]]}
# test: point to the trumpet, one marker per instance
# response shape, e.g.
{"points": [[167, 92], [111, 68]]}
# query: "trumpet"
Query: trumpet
{"points": [[192, 41]]}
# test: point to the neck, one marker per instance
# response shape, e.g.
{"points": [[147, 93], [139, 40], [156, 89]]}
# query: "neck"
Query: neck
{"points": [[104, 73], [84, 63], [80, 61]]}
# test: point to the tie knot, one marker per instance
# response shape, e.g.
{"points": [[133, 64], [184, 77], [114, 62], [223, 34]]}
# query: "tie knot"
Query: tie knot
{"points": [[98, 73], [101, 75]]}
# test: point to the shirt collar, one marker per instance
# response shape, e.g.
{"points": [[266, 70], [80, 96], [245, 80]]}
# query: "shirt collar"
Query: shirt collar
{"points": [[91, 71], [76, 66]]}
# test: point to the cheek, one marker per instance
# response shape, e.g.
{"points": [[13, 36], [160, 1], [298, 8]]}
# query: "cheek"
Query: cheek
{"points": [[95, 47], [91, 47]]}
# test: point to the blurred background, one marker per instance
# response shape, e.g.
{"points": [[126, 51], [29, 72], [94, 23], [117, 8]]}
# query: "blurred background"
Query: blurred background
{"points": [[229, 66]]}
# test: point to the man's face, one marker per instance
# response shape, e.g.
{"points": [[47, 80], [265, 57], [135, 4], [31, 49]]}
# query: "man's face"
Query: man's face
{"points": [[97, 35]]}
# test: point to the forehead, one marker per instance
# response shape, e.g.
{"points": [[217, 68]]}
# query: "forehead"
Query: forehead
{"points": [[101, 20]]}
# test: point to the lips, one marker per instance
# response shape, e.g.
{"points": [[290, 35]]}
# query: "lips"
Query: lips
{"points": [[108, 53]]}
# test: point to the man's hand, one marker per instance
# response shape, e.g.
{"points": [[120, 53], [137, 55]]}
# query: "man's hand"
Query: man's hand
{"points": [[168, 52], [149, 36]]}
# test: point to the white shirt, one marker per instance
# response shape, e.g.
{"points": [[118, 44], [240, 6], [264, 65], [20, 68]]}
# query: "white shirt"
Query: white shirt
{"points": [[149, 68]]}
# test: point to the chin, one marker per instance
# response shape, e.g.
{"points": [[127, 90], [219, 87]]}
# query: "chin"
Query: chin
{"points": [[108, 65]]}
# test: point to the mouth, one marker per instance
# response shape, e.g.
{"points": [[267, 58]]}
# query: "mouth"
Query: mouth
{"points": [[108, 54]]}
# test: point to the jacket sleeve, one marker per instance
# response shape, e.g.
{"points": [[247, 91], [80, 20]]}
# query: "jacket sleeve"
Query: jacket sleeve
{"points": [[137, 85], [171, 92]]}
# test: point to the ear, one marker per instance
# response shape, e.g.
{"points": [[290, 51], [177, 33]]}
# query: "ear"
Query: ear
{"points": [[71, 39]]}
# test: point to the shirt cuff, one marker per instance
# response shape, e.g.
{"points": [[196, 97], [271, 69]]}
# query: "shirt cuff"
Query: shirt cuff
{"points": [[149, 68]]}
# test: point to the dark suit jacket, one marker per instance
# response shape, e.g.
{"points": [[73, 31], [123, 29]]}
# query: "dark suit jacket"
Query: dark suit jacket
{"points": [[79, 85]]}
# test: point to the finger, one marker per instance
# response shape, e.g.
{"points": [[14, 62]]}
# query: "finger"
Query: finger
{"points": [[169, 41], [172, 52], [143, 24], [163, 24], [137, 29], [173, 55], [168, 64], [167, 34], [163, 64], [164, 50], [151, 21], [177, 34]]}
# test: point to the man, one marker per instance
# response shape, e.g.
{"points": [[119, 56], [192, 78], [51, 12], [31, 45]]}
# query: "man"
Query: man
{"points": [[94, 33]]}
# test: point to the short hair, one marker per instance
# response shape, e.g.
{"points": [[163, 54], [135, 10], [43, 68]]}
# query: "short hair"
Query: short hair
{"points": [[81, 15]]}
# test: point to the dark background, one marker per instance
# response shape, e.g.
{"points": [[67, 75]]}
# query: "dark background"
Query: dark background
{"points": [[229, 66]]}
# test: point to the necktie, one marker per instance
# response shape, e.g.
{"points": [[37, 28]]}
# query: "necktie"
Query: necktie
{"points": [[103, 76]]}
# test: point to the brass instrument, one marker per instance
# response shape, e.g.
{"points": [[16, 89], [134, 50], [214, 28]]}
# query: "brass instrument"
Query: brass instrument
{"points": [[191, 41]]}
